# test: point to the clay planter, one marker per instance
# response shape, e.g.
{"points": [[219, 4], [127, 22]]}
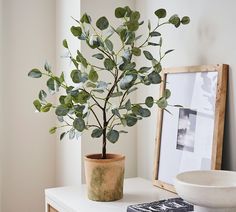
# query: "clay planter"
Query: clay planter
{"points": [[104, 177]]}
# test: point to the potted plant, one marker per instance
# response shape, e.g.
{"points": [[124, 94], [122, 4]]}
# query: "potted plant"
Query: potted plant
{"points": [[88, 92]]}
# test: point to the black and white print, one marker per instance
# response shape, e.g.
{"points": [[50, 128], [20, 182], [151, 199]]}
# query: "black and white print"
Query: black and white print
{"points": [[186, 129]]}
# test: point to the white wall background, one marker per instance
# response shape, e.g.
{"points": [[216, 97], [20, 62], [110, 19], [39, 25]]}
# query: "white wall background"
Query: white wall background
{"points": [[29, 150], [68, 153], [209, 39]]}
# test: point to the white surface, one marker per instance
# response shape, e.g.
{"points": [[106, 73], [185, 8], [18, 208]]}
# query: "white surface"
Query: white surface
{"points": [[212, 189], [74, 199], [67, 152], [127, 143], [208, 39], [28, 151], [195, 91]]}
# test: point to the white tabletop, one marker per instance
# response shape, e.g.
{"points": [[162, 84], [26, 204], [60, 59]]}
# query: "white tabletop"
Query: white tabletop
{"points": [[74, 199]]}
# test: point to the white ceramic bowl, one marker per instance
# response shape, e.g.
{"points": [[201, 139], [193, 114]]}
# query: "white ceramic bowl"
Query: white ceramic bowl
{"points": [[211, 189]]}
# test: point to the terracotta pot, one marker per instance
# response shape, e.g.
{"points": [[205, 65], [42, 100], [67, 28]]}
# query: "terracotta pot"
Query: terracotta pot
{"points": [[104, 177]]}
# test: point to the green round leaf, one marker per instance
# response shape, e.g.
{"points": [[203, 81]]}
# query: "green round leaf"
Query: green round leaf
{"points": [[61, 110], [51, 84], [76, 76], [79, 124], [135, 16], [167, 93], [65, 44], [185, 20], [148, 55], [144, 112], [126, 82], [175, 20], [131, 120], [160, 13], [37, 105], [155, 34], [136, 51], [109, 64], [109, 45], [132, 25], [97, 133], [93, 76], [149, 101], [120, 12], [154, 77], [162, 103], [76, 31], [102, 23], [113, 136], [35, 73]]}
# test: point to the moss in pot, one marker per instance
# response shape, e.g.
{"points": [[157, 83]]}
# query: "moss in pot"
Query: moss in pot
{"points": [[90, 93]]}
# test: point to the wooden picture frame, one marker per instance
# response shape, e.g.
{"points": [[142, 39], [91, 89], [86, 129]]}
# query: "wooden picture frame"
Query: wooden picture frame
{"points": [[166, 166]]}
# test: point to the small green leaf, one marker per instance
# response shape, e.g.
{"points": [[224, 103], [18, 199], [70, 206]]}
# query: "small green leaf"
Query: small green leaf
{"points": [[109, 64], [72, 133], [128, 105], [46, 107], [169, 51], [185, 20], [99, 56], [91, 85], [132, 25], [97, 133], [175, 20], [102, 23], [126, 82], [162, 103], [154, 78], [51, 84], [135, 16], [65, 44], [109, 45], [136, 51], [144, 112], [53, 130], [144, 69], [61, 110], [149, 101], [47, 67], [62, 135], [76, 31], [161, 13], [148, 55], [131, 120], [76, 76], [42, 95], [153, 44], [116, 112], [85, 19], [113, 136], [149, 25], [155, 34], [120, 12], [93, 76], [37, 105], [35, 73], [167, 93], [79, 124], [83, 97]]}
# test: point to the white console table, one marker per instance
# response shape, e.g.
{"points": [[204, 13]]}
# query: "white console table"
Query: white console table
{"points": [[74, 199]]}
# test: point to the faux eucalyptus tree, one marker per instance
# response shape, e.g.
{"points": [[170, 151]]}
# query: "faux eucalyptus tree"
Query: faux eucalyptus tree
{"points": [[89, 90]]}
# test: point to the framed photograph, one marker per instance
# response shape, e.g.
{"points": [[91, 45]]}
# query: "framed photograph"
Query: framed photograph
{"points": [[190, 132]]}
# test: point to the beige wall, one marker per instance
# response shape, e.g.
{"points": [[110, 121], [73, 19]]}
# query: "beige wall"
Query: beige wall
{"points": [[29, 150], [209, 39]]}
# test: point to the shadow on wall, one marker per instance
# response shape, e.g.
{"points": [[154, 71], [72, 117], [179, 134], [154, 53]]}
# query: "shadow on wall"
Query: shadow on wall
{"points": [[228, 129]]}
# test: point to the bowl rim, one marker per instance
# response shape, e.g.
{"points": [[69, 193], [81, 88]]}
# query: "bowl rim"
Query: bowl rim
{"points": [[200, 185]]}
